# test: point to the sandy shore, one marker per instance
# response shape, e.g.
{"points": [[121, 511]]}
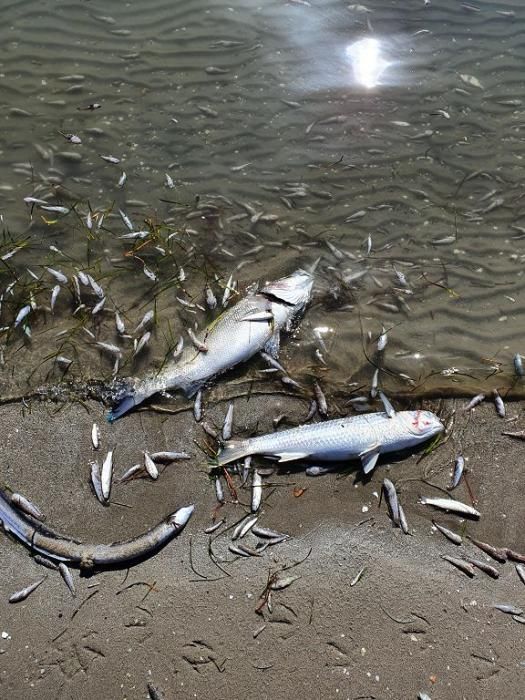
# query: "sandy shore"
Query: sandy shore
{"points": [[412, 622]]}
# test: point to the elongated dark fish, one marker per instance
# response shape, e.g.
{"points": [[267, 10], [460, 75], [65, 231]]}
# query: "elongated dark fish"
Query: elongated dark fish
{"points": [[234, 337], [88, 556], [362, 437]]}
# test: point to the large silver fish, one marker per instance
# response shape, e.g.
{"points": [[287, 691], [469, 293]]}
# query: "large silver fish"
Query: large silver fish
{"points": [[363, 437], [251, 325]]}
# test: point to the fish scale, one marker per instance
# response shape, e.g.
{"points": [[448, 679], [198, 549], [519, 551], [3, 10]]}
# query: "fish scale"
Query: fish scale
{"points": [[365, 436]]}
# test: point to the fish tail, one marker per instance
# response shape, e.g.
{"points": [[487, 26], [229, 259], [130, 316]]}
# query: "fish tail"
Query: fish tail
{"points": [[233, 450], [122, 407]]}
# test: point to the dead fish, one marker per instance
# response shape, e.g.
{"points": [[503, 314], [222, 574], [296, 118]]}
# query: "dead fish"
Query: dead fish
{"points": [[452, 536], [169, 456], [21, 315], [458, 472], [122, 179], [518, 365], [25, 592], [322, 405], [54, 296], [497, 553], [55, 208], [520, 434], [106, 475], [482, 566], [382, 340], [215, 526], [59, 276], [44, 561], [234, 549], [282, 582], [219, 491], [500, 406], [228, 423], [474, 402], [211, 300], [201, 347], [403, 523], [150, 466], [463, 566], [95, 436], [23, 503], [508, 608], [98, 307], [520, 570], [132, 471], [142, 343], [316, 470], [96, 483], [256, 491], [110, 159], [450, 505], [178, 348], [390, 493], [68, 578], [146, 320], [197, 406], [267, 533]]}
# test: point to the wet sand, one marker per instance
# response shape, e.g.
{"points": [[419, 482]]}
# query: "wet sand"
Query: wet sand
{"points": [[192, 631]]}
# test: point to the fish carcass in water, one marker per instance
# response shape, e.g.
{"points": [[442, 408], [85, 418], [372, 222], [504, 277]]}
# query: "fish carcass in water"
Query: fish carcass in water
{"points": [[251, 325], [362, 437]]}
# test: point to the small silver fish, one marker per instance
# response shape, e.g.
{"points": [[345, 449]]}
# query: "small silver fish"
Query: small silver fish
{"points": [[500, 406], [119, 323], [23, 503], [450, 505], [110, 159], [382, 340], [127, 221], [25, 592], [24, 311], [390, 493], [201, 347], [322, 405], [452, 536], [508, 608], [68, 578], [106, 475], [463, 566], [96, 483], [122, 179], [518, 365], [197, 406], [474, 402], [459, 466], [228, 423], [169, 456], [169, 181], [211, 300], [146, 320], [150, 466], [59, 276], [256, 491], [178, 348], [54, 295], [219, 491], [142, 343]]}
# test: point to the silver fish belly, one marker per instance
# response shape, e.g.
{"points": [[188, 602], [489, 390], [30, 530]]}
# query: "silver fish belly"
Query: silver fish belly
{"points": [[362, 437], [230, 339]]}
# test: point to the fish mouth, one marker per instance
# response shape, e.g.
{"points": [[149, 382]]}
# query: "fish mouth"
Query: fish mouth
{"points": [[423, 424]]}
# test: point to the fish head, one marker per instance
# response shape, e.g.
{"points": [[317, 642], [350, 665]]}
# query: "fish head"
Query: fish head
{"points": [[294, 291], [422, 424]]}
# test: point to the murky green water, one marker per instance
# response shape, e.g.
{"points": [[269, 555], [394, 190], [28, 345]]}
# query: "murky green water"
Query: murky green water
{"points": [[386, 138]]}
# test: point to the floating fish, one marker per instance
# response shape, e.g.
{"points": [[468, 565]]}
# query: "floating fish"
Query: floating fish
{"points": [[362, 437], [228, 341]]}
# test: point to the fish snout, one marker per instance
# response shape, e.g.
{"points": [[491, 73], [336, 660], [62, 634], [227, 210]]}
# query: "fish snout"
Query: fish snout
{"points": [[424, 424]]}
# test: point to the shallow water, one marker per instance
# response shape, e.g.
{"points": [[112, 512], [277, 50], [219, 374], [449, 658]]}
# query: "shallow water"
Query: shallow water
{"points": [[384, 138]]}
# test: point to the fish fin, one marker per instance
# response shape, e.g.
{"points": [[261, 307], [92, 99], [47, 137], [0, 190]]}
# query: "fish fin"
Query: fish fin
{"points": [[369, 458], [258, 316], [125, 405], [273, 345], [192, 388], [232, 451], [291, 456]]}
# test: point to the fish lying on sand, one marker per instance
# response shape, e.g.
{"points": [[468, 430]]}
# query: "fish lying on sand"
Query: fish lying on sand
{"points": [[362, 437], [251, 325]]}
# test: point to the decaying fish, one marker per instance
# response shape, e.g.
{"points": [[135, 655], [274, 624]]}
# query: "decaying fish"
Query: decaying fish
{"points": [[230, 339], [362, 437], [60, 548]]}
